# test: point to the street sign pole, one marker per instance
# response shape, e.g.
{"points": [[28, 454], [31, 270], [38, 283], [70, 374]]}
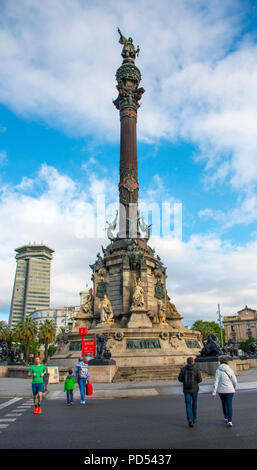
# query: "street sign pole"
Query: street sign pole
{"points": [[82, 332]]}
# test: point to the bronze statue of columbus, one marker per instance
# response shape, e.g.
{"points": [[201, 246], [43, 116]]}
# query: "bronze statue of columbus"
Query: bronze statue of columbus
{"points": [[128, 50]]}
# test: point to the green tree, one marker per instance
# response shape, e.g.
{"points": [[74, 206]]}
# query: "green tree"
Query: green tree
{"points": [[51, 350], [26, 332], [207, 327], [47, 335], [244, 345]]}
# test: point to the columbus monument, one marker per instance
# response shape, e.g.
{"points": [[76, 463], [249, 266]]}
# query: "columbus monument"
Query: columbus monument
{"points": [[128, 302]]}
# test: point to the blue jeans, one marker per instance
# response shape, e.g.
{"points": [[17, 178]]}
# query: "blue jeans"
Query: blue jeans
{"points": [[82, 385], [191, 405], [226, 400], [69, 394]]}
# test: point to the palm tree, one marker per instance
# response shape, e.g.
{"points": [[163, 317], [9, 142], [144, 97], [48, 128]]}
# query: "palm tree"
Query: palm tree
{"points": [[47, 335], [62, 330], [26, 330], [6, 333]]}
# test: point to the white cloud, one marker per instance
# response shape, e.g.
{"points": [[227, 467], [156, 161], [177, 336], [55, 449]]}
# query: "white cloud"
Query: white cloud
{"points": [[206, 271], [59, 60], [26, 183], [244, 213], [202, 272]]}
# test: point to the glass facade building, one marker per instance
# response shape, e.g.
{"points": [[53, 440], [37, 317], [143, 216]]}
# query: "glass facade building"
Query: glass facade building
{"points": [[31, 288]]}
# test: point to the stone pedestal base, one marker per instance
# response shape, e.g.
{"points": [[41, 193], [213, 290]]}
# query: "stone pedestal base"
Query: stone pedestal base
{"points": [[209, 364], [101, 362], [101, 374], [139, 319], [137, 346]]}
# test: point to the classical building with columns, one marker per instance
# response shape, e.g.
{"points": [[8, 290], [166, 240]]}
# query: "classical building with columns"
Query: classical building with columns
{"points": [[241, 326]]}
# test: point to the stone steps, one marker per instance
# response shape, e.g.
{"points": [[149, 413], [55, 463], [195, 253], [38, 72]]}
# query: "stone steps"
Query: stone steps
{"points": [[147, 373]]}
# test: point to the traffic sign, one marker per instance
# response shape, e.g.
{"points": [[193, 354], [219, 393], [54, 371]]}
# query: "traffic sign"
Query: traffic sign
{"points": [[82, 331], [89, 347]]}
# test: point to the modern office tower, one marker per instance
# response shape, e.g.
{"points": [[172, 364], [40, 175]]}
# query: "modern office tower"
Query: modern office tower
{"points": [[31, 288]]}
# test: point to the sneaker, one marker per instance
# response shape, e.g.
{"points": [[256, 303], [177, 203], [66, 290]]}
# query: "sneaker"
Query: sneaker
{"points": [[35, 410], [83, 402], [191, 424], [226, 420], [71, 403], [230, 424], [39, 410]]}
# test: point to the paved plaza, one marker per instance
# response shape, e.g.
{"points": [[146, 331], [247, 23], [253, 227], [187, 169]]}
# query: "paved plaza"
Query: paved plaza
{"points": [[132, 423], [140, 416]]}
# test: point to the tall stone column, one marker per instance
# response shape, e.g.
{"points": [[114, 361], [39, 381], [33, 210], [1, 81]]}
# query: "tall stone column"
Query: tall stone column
{"points": [[128, 77]]}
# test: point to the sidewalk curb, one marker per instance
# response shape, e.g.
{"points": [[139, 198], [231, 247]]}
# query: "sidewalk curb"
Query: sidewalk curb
{"points": [[133, 392], [20, 395]]}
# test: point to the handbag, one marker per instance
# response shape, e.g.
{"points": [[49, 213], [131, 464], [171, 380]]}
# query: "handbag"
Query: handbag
{"points": [[89, 389]]}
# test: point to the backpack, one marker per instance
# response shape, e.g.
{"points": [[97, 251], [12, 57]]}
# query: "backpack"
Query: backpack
{"points": [[188, 378], [83, 371]]}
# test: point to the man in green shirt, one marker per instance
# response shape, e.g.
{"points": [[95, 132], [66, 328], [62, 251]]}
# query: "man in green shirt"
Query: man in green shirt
{"points": [[37, 371]]}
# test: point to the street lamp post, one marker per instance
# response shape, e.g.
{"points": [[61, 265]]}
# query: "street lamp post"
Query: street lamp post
{"points": [[220, 319]]}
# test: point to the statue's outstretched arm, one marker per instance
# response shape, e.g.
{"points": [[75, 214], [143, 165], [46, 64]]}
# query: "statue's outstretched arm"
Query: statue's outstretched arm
{"points": [[122, 40]]}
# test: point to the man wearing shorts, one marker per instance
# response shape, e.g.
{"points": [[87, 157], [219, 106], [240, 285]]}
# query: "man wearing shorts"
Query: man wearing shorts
{"points": [[37, 371]]}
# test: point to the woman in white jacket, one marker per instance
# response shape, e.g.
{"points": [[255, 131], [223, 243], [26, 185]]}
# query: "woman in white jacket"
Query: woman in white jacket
{"points": [[225, 384]]}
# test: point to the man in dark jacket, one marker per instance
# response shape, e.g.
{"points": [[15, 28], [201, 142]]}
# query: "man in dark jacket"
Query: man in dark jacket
{"points": [[190, 376]]}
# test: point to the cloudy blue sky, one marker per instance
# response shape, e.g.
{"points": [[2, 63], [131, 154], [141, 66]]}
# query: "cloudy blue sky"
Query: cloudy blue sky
{"points": [[197, 140]]}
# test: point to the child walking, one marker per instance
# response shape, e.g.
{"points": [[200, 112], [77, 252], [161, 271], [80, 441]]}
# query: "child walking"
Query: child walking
{"points": [[69, 387]]}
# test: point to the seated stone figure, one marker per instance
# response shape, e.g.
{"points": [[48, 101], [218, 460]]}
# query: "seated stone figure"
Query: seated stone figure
{"points": [[106, 312]]}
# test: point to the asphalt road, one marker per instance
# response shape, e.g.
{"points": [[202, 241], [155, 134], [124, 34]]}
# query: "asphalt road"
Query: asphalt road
{"points": [[138, 423]]}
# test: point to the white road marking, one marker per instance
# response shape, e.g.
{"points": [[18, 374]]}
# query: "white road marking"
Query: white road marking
{"points": [[14, 414], [3, 420], [3, 426], [10, 402], [24, 406]]}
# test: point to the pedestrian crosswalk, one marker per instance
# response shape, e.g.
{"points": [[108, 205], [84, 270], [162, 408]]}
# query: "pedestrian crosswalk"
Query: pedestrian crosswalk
{"points": [[12, 415], [7, 419]]}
